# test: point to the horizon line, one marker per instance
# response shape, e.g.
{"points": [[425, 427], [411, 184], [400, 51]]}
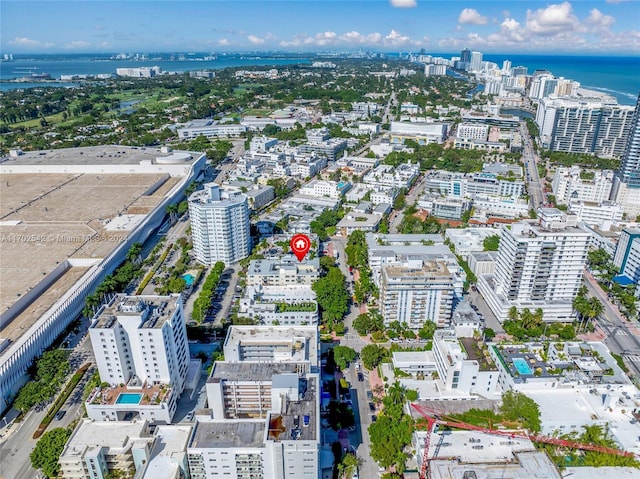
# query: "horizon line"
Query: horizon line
{"points": [[320, 52]]}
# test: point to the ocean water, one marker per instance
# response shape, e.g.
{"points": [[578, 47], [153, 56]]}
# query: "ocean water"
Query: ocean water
{"points": [[618, 76]]}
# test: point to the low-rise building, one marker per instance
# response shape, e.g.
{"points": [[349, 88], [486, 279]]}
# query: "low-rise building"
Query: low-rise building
{"points": [[330, 189], [98, 448], [282, 272], [210, 129], [471, 455], [577, 184], [423, 133], [297, 344], [596, 214], [356, 221], [445, 208], [481, 263], [274, 305], [469, 240], [169, 454]]}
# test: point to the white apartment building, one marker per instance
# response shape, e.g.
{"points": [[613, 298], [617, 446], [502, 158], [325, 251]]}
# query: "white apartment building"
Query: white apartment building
{"points": [[286, 305], [539, 265], [140, 72], [469, 240], [446, 208], [628, 197], [568, 184], [402, 176], [285, 445], [459, 368], [262, 144], [169, 454], [141, 337], [383, 195], [467, 186], [584, 125], [435, 70], [423, 133], [98, 448], [257, 195], [415, 292], [283, 272], [219, 225], [330, 189], [473, 131], [596, 214], [277, 344], [140, 346], [500, 206], [481, 263], [210, 129]]}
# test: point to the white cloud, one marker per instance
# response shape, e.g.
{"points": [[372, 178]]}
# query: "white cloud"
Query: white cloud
{"points": [[599, 20], [471, 16], [256, 40], [27, 42], [554, 19], [395, 39], [223, 42], [77, 44], [403, 3]]}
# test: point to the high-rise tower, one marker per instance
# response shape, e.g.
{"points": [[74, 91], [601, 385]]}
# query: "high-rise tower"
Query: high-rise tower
{"points": [[219, 225], [629, 172]]}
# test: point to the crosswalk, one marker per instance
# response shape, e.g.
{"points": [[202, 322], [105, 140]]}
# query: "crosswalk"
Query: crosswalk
{"points": [[634, 358], [621, 332]]}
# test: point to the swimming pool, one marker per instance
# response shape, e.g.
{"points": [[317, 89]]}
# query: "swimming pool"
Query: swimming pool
{"points": [[189, 279], [129, 398], [522, 366]]}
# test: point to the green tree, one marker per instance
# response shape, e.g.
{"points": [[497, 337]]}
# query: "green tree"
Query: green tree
{"points": [[340, 415], [47, 451], [427, 330], [177, 285], [519, 407], [343, 355], [489, 334], [332, 296], [372, 355], [491, 243]]}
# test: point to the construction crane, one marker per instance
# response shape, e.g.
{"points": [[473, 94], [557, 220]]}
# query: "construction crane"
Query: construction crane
{"points": [[434, 418]]}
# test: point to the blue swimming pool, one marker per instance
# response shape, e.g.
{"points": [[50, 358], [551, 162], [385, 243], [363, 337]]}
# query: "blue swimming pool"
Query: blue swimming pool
{"points": [[189, 279], [522, 366], [129, 398]]}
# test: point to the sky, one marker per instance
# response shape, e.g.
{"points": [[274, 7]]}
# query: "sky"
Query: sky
{"points": [[516, 26]]}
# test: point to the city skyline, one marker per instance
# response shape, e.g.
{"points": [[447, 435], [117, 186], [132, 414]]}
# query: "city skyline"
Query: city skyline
{"points": [[594, 27]]}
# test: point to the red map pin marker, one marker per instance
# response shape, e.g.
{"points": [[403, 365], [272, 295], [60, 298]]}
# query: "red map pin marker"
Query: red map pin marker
{"points": [[300, 245]]}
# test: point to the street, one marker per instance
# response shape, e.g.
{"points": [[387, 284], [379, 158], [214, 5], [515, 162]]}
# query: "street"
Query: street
{"points": [[360, 437], [622, 336], [18, 444], [410, 199], [530, 159]]}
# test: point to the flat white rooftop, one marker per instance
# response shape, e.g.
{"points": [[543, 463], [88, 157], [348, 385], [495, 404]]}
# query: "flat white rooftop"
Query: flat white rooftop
{"points": [[568, 409], [171, 444], [114, 435]]}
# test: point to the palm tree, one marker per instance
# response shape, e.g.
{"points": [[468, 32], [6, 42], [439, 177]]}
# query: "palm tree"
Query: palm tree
{"points": [[513, 313], [396, 393]]}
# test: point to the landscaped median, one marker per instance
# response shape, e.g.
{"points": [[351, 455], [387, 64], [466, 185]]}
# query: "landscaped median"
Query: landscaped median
{"points": [[60, 400]]}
